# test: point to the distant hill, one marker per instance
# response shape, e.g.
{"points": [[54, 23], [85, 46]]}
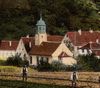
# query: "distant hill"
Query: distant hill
{"points": [[18, 17], [21, 4]]}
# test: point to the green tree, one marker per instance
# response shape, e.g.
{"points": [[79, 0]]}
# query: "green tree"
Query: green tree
{"points": [[89, 63]]}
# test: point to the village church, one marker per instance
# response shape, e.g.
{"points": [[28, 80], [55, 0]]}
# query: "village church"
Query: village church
{"points": [[41, 47]]}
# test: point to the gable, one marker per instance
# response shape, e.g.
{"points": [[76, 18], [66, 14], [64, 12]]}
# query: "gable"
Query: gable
{"points": [[62, 48]]}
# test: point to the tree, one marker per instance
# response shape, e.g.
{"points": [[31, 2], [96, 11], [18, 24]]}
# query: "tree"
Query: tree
{"points": [[17, 61], [89, 62]]}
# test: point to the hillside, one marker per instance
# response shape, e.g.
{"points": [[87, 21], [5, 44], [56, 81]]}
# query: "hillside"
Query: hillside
{"points": [[21, 4], [18, 17]]}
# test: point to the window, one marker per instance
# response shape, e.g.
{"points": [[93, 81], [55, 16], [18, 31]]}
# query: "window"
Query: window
{"points": [[45, 60], [30, 60], [37, 60], [41, 59]]}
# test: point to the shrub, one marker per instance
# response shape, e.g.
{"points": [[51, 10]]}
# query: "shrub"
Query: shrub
{"points": [[26, 62], [54, 66], [16, 61], [58, 66], [89, 62], [10, 61], [44, 66], [2, 62]]}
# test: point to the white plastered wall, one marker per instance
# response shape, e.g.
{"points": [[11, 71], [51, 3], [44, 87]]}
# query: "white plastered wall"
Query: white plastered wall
{"points": [[39, 38], [4, 54], [62, 48], [21, 50]]}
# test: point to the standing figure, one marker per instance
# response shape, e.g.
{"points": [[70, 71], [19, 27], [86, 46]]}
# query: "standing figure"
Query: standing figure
{"points": [[74, 78], [24, 73], [99, 81]]}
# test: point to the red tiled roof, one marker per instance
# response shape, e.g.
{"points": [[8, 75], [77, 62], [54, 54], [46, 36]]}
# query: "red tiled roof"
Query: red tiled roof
{"points": [[5, 45], [50, 38], [55, 38], [84, 38], [93, 46], [45, 49], [26, 40]]}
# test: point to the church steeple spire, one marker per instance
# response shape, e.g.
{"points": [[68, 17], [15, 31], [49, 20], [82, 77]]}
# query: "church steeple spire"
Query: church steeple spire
{"points": [[41, 26], [40, 16], [40, 35]]}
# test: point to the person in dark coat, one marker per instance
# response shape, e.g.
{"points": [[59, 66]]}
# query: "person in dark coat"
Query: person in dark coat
{"points": [[74, 78], [24, 73]]}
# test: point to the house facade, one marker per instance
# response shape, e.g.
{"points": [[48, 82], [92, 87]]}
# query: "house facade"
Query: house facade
{"points": [[7, 49]]}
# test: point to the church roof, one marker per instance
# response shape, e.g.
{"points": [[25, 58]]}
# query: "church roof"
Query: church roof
{"points": [[26, 40], [55, 38], [52, 42], [41, 22], [8, 45], [45, 49]]}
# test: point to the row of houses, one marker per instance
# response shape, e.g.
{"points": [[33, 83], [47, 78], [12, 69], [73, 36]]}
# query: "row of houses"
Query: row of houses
{"points": [[52, 47], [85, 42]]}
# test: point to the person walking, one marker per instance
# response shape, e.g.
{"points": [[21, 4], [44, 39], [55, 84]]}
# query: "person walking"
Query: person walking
{"points": [[74, 78], [24, 73]]}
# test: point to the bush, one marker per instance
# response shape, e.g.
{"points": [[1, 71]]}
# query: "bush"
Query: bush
{"points": [[54, 66], [16, 61], [44, 66], [58, 66], [2, 62], [89, 62], [25, 62]]}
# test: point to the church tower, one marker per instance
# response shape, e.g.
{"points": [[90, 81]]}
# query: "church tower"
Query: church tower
{"points": [[40, 35]]}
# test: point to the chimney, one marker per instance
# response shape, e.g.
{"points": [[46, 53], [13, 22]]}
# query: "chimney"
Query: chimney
{"points": [[91, 31], [30, 44], [97, 40], [79, 31], [90, 42], [27, 36], [10, 43]]}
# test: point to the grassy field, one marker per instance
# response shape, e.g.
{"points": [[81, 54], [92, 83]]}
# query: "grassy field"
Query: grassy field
{"points": [[85, 76], [21, 84]]}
